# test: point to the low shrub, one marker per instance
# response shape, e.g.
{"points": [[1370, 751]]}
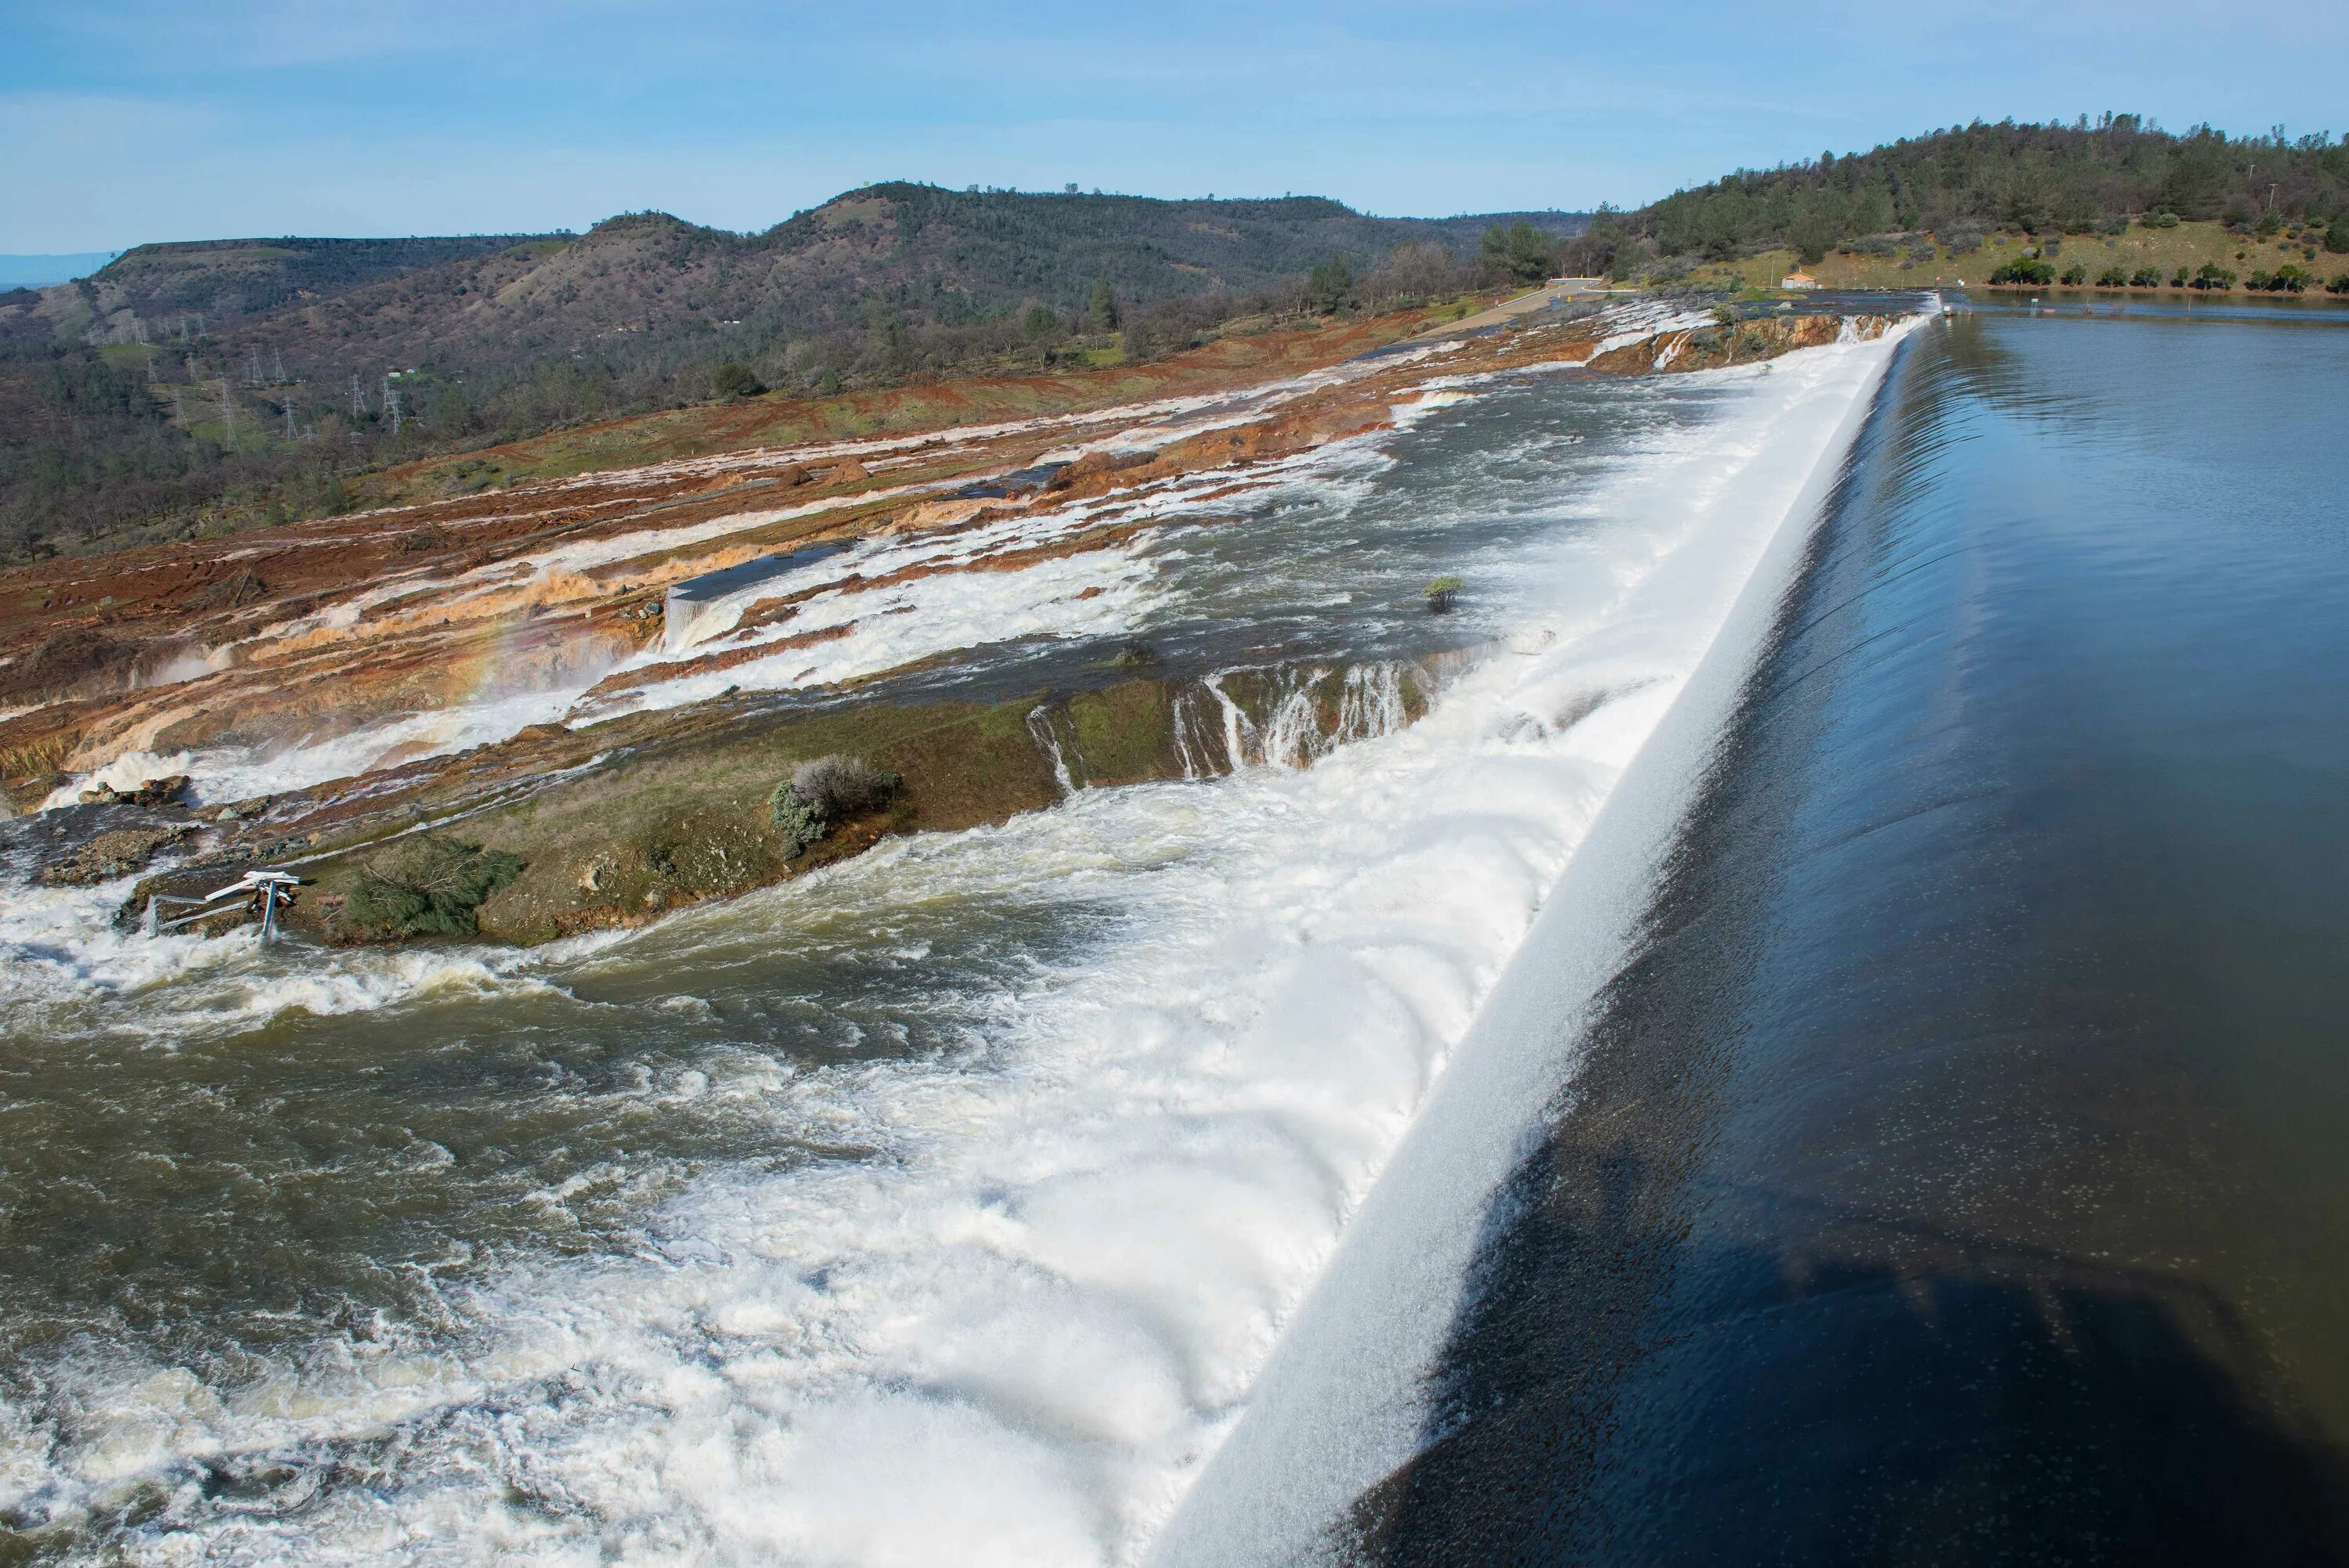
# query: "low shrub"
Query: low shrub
{"points": [[1962, 237], [2146, 278], [2159, 220], [821, 792], [432, 885], [2339, 285], [733, 379], [2025, 271], [2075, 275], [2112, 278]]}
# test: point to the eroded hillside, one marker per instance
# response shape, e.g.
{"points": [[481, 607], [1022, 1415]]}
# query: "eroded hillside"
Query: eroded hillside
{"points": [[610, 677]]}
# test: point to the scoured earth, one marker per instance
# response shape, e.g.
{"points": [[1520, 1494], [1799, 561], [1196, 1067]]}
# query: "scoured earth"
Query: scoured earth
{"points": [[607, 675]]}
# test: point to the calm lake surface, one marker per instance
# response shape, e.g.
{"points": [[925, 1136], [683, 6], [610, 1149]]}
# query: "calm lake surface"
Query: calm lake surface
{"points": [[1960, 1171]]}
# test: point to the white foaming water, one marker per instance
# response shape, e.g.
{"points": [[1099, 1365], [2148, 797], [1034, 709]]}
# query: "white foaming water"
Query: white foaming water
{"points": [[70, 972], [1342, 1406], [1017, 1332]]}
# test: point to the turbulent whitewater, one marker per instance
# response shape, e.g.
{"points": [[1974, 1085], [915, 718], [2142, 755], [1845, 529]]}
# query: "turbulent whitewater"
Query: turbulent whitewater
{"points": [[946, 1205]]}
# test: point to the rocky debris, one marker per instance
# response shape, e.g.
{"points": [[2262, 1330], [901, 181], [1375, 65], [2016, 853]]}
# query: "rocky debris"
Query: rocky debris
{"points": [[1093, 465], [117, 852], [73, 659], [164, 791], [20, 797], [847, 473], [933, 515], [233, 591]]}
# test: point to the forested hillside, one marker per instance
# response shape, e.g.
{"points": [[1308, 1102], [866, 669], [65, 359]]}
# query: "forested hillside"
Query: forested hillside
{"points": [[1967, 179], [226, 280], [208, 385]]}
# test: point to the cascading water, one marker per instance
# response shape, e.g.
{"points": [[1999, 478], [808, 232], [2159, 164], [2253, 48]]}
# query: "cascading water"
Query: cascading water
{"points": [[945, 1205]]}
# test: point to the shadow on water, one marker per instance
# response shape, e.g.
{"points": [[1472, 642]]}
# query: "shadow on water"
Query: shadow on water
{"points": [[1875, 1392], [1914, 1201]]}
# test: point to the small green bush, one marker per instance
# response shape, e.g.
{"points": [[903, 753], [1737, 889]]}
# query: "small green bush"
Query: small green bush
{"points": [[2339, 285], [2336, 235], [2075, 275], [2159, 219], [2112, 278], [433, 885], [735, 379], [821, 792], [2146, 278]]}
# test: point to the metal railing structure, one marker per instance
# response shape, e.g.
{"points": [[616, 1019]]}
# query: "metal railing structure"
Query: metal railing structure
{"points": [[263, 893]]}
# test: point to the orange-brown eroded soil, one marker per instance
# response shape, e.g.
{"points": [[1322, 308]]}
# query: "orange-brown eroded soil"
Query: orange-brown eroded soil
{"points": [[320, 628]]}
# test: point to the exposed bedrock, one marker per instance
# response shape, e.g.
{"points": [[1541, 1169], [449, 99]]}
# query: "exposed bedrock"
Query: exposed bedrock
{"points": [[616, 824]]}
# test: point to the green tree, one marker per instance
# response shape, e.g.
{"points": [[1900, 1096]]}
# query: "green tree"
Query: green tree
{"points": [[1103, 312], [735, 379], [1521, 251], [1330, 286]]}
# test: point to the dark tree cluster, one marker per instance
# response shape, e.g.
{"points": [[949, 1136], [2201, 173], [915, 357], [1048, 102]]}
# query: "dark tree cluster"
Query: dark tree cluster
{"points": [[1961, 182]]}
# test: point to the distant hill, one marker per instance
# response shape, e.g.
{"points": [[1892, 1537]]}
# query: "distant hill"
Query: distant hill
{"points": [[42, 272], [216, 383], [1467, 229], [638, 283], [228, 281]]}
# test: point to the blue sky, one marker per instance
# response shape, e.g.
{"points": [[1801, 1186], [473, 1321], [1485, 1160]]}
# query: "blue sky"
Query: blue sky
{"points": [[142, 120]]}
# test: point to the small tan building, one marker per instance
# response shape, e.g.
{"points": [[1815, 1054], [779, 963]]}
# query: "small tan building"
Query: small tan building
{"points": [[1798, 281]]}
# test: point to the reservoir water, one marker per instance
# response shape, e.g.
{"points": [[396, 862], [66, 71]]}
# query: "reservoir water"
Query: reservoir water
{"points": [[1952, 1169]]}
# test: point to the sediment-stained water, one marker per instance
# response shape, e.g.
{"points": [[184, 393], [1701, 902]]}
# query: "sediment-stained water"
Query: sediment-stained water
{"points": [[1945, 1164], [940, 1206]]}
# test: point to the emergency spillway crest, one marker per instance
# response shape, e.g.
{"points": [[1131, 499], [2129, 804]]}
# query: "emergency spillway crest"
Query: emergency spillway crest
{"points": [[1001, 1192]]}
